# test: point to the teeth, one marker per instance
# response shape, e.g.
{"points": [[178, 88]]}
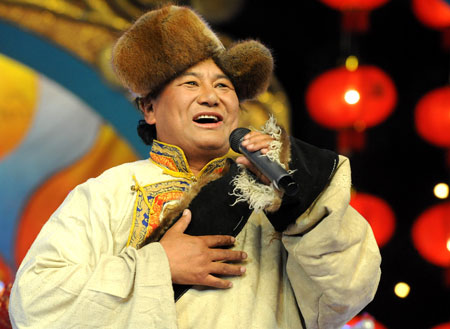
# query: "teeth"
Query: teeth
{"points": [[207, 117]]}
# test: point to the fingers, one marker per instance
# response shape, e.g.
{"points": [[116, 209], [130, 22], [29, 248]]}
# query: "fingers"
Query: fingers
{"points": [[227, 269], [222, 254], [181, 225], [195, 260], [255, 141], [215, 282], [223, 269], [244, 161], [218, 240], [227, 255]]}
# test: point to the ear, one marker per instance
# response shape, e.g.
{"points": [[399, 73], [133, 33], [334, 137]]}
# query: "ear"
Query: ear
{"points": [[149, 114]]}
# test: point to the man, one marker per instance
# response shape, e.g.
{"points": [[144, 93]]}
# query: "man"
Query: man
{"points": [[198, 241]]}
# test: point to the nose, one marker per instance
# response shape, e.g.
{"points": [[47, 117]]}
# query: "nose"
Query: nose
{"points": [[208, 96]]}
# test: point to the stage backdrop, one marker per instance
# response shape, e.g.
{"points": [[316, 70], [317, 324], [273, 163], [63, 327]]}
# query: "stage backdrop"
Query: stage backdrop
{"points": [[63, 116]]}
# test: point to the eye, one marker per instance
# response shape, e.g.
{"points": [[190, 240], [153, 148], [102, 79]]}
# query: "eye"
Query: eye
{"points": [[191, 83], [224, 85]]}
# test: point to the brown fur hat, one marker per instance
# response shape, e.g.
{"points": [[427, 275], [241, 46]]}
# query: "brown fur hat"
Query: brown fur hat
{"points": [[164, 43]]}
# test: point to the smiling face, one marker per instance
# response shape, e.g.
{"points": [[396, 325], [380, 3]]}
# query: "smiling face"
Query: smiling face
{"points": [[197, 112]]}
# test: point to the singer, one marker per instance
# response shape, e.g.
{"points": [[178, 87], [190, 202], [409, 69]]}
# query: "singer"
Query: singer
{"points": [[189, 238]]}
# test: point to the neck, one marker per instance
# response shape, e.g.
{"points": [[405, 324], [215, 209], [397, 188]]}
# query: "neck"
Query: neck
{"points": [[196, 159], [201, 158], [197, 164]]}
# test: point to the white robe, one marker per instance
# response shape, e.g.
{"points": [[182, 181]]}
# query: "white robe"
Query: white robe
{"points": [[79, 273]]}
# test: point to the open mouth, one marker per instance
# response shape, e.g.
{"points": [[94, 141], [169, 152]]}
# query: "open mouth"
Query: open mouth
{"points": [[207, 118]]}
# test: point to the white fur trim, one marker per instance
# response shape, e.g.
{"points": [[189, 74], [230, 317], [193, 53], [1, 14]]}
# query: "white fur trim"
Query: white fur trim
{"points": [[260, 196], [270, 128]]}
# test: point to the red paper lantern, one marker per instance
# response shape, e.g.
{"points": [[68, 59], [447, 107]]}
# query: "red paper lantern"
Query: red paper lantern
{"points": [[326, 97], [5, 322], [372, 323], [432, 117], [431, 234], [354, 4], [5, 290], [355, 13], [442, 326], [378, 213], [432, 13]]}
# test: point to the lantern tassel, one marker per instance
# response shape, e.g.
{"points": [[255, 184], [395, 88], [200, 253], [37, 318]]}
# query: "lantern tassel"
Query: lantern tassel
{"points": [[447, 277], [445, 39], [350, 140], [447, 159], [355, 20]]}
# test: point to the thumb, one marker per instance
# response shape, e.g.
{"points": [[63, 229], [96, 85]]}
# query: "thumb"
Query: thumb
{"points": [[182, 224]]}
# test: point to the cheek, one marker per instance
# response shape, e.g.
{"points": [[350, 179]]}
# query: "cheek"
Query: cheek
{"points": [[234, 110], [235, 123], [235, 114]]}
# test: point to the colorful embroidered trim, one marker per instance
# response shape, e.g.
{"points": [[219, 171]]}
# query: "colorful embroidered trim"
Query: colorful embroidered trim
{"points": [[151, 199], [169, 156], [172, 160], [149, 204]]}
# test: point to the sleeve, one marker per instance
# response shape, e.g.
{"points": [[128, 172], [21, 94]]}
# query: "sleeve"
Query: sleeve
{"points": [[334, 265], [72, 276]]}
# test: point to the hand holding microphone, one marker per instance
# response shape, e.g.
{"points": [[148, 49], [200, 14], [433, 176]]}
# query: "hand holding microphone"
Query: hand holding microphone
{"points": [[272, 170]]}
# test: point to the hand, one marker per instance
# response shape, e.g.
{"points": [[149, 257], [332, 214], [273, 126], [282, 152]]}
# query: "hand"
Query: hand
{"points": [[194, 260], [255, 141]]}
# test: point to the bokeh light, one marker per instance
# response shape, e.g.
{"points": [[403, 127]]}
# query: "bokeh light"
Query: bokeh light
{"points": [[351, 63], [402, 290], [441, 190], [352, 96]]}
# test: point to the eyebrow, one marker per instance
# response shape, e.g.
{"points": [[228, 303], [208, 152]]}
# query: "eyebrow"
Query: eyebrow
{"points": [[198, 75]]}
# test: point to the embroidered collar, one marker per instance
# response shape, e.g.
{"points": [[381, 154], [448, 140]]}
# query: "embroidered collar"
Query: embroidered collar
{"points": [[172, 160]]}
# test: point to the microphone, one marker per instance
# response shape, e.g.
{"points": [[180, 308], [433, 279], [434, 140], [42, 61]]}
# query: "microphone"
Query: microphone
{"points": [[272, 170]]}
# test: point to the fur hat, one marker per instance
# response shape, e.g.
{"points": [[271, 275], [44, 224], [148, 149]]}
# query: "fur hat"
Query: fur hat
{"points": [[164, 43]]}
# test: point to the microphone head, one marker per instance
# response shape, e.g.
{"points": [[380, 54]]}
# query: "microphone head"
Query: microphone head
{"points": [[236, 138]]}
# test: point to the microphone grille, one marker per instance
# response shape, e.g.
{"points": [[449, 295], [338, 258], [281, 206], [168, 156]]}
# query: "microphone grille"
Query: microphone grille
{"points": [[236, 137]]}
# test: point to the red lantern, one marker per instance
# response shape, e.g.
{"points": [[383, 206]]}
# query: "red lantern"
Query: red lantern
{"points": [[354, 4], [432, 117], [5, 322], [442, 326], [5, 289], [378, 213], [328, 102], [355, 13], [432, 13], [364, 321], [431, 234], [436, 15]]}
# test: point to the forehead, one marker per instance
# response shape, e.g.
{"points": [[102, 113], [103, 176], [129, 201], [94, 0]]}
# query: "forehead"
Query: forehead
{"points": [[207, 68]]}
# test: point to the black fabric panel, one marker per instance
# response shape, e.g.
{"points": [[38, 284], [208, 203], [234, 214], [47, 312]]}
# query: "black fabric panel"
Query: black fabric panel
{"points": [[313, 169], [212, 213]]}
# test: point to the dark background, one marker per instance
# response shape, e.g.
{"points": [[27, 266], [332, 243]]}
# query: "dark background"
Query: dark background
{"points": [[396, 163]]}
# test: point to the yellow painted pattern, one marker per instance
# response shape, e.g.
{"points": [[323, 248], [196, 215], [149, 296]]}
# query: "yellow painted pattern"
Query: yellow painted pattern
{"points": [[108, 151], [18, 102]]}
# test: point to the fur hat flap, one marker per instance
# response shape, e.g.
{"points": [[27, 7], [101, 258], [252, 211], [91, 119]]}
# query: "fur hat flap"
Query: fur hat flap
{"points": [[249, 65]]}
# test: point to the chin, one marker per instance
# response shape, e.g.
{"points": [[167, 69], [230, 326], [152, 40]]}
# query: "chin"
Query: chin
{"points": [[215, 149]]}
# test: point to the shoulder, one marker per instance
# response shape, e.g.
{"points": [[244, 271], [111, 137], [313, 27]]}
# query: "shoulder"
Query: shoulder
{"points": [[116, 179], [124, 170]]}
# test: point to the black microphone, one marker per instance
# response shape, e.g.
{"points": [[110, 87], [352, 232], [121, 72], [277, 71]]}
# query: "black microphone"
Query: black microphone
{"points": [[272, 170]]}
